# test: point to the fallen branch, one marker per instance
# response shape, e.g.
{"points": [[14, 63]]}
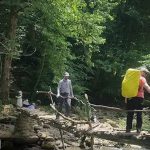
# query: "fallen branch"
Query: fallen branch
{"points": [[67, 118], [116, 136]]}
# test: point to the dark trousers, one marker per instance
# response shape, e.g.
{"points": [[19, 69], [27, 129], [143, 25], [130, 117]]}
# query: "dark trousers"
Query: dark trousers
{"points": [[64, 102], [134, 104]]}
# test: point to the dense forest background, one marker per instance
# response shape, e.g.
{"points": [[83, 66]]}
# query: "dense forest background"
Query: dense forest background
{"points": [[94, 40]]}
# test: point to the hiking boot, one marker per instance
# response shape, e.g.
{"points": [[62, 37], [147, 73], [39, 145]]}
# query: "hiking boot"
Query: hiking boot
{"points": [[138, 130], [128, 130]]}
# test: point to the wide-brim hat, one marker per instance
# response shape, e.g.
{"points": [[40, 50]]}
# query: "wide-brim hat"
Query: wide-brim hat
{"points": [[66, 74]]}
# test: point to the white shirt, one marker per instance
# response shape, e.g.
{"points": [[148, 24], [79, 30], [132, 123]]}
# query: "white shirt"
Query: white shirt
{"points": [[65, 86]]}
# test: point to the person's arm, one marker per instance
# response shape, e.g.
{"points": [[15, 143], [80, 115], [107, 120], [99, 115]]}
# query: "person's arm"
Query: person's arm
{"points": [[147, 87], [58, 89]]}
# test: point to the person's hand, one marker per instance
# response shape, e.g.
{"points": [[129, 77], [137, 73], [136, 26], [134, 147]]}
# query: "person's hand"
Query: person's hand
{"points": [[74, 97], [71, 97], [57, 95]]}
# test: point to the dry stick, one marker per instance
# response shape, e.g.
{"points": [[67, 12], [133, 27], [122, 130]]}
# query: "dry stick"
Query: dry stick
{"points": [[71, 120], [89, 120], [67, 118], [61, 133], [51, 95], [77, 122]]}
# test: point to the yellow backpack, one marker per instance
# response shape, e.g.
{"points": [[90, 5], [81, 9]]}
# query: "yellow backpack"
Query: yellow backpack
{"points": [[130, 83]]}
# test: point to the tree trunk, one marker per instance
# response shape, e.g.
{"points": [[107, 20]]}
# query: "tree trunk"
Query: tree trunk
{"points": [[7, 60], [6, 79]]}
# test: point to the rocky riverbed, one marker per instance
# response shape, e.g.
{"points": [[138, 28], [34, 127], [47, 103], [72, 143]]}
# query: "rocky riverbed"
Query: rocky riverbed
{"points": [[20, 131]]}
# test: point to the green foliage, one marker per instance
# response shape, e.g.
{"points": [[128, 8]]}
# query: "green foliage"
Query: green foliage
{"points": [[126, 43], [95, 41], [146, 123], [48, 26], [145, 60]]}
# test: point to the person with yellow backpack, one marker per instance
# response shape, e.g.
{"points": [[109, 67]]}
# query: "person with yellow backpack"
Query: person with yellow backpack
{"points": [[133, 87]]}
